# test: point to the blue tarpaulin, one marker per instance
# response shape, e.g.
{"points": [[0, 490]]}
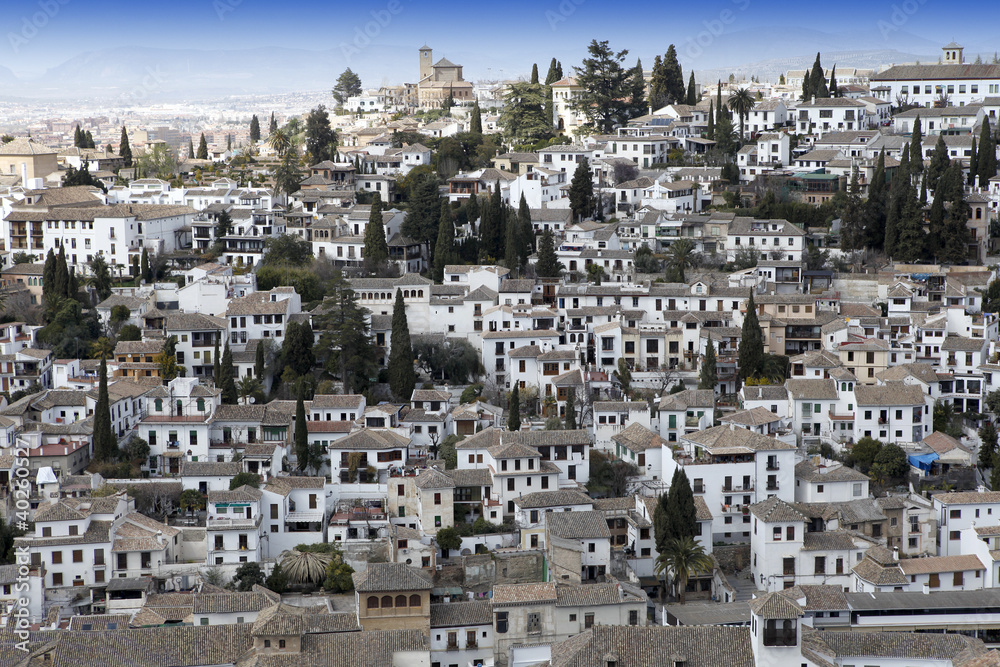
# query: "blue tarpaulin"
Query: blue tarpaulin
{"points": [[923, 461]]}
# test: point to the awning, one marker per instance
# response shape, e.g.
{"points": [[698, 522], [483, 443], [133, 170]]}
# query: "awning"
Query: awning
{"points": [[923, 461]]}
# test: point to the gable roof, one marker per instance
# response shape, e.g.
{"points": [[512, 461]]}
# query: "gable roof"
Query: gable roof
{"points": [[386, 577]]}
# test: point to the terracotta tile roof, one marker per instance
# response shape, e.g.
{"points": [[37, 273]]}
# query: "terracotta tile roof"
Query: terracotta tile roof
{"points": [[388, 577], [776, 510], [960, 563], [639, 646], [578, 525], [775, 606], [555, 498], [516, 594], [457, 614]]}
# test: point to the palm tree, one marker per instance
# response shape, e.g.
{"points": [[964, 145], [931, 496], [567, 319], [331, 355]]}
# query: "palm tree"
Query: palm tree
{"points": [[683, 558], [774, 369], [102, 348], [679, 257], [247, 386], [741, 102], [279, 142], [304, 567]]}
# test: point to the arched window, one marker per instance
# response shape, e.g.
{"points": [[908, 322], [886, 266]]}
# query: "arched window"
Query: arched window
{"points": [[201, 405], [386, 602], [414, 600], [420, 293], [158, 403], [372, 602], [400, 600]]}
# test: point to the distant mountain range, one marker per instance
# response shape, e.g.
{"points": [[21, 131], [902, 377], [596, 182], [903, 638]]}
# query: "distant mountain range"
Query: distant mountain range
{"points": [[127, 76]]}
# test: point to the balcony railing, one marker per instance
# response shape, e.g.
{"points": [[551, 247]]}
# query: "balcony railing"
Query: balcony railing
{"points": [[730, 488], [772, 487]]}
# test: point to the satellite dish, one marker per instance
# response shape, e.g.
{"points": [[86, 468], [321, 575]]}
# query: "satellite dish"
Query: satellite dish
{"points": [[252, 400]]}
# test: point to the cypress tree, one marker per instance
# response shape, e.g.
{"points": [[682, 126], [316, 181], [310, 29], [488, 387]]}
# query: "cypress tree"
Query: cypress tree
{"points": [[916, 147], [673, 77], [202, 148], [77, 137], [476, 124], [376, 248], [49, 273], [834, 91], [258, 362], [191, 153], [571, 409], [217, 366], [402, 378], [105, 443], [657, 85], [144, 268], [547, 264], [708, 377], [124, 150], [710, 133], [273, 125], [955, 246], [987, 155], [534, 74], [514, 412], [806, 87], [486, 234], [444, 249], [692, 94], [301, 431], [254, 129], [512, 242], [875, 206], [817, 80], [472, 209], [61, 282], [973, 163], [229, 394], [939, 163], [74, 284], [896, 195], [554, 73], [751, 347], [719, 109], [581, 191], [527, 231], [682, 500]]}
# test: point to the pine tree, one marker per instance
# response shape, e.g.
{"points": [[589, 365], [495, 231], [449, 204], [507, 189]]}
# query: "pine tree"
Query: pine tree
{"points": [[548, 264], [301, 432], [708, 377], [124, 150], [105, 443], [77, 137], [402, 377], [514, 411], [229, 394], [995, 472], [581, 191], [376, 248], [476, 124], [834, 92], [444, 249], [554, 73], [254, 129], [534, 74], [692, 92], [916, 148], [751, 347], [571, 409]]}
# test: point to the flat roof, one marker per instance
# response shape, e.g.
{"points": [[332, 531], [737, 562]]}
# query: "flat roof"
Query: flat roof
{"points": [[710, 613], [901, 600]]}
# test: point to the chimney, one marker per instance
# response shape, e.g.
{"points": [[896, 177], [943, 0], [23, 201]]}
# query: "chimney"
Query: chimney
{"points": [[895, 553], [926, 589], [24, 174], [814, 99]]}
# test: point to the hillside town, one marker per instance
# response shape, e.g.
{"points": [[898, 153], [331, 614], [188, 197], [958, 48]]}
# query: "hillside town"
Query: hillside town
{"points": [[604, 366]]}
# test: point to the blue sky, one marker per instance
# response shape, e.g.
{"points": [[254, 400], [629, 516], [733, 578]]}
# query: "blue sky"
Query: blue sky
{"points": [[488, 38]]}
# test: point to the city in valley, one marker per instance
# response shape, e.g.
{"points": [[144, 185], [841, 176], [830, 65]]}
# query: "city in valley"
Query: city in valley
{"points": [[568, 335]]}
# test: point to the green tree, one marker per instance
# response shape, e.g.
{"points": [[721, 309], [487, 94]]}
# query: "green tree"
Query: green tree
{"points": [[247, 576], [223, 225], [864, 452], [277, 581], [526, 232], [679, 257], [988, 444], [144, 268], [301, 432], [321, 140], [287, 249], [229, 394], [604, 88], [708, 377], [376, 248], [273, 124], [658, 85], [447, 451], [637, 91], [751, 347], [890, 464], [817, 80], [692, 91], [254, 129], [244, 479], [348, 85], [402, 377], [167, 359], [476, 122], [741, 102], [624, 377], [105, 442], [124, 150], [916, 147], [338, 576], [346, 341], [548, 264], [259, 359], [939, 163], [581, 191], [190, 150], [514, 411], [288, 175], [424, 210], [987, 167], [100, 277], [571, 409], [681, 560], [297, 351], [524, 119], [852, 217], [673, 77], [995, 473], [202, 148], [444, 248], [448, 539], [129, 332], [192, 500], [875, 206], [834, 90]]}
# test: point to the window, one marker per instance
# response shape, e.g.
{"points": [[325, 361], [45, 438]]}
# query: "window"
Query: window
{"points": [[588, 620], [534, 623], [777, 533], [501, 622]]}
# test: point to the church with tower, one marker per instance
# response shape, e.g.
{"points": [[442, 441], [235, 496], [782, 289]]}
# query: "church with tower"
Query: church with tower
{"points": [[440, 79]]}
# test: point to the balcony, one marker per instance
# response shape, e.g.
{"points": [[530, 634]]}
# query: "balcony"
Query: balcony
{"points": [[736, 488], [846, 416], [698, 488], [772, 487], [772, 466]]}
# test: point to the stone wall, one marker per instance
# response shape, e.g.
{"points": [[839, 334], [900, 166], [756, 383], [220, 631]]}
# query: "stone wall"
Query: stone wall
{"points": [[732, 557]]}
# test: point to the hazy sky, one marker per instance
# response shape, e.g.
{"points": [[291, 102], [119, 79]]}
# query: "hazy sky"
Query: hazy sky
{"points": [[485, 37]]}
